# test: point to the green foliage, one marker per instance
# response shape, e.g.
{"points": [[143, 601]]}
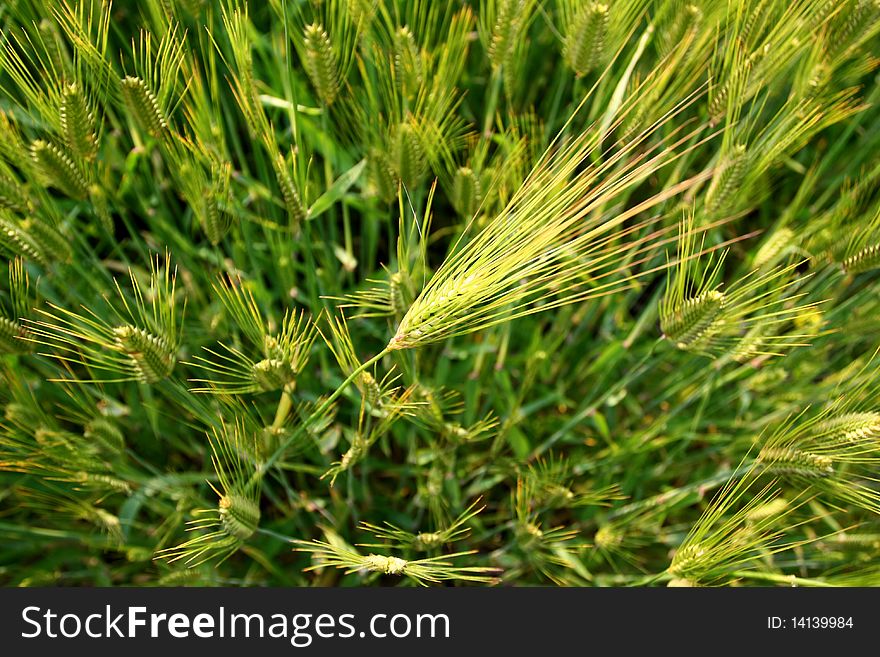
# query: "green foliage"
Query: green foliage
{"points": [[409, 292]]}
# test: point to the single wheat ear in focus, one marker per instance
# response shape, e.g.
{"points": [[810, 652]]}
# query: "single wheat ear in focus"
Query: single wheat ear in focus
{"points": [[224, 529], [135, 337]]}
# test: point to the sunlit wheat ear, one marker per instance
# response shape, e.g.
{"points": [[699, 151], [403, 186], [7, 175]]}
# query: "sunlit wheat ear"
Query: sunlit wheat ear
{"points": [[321, 63], [557, 232], [432, 570], [224, 529], [854, 427], [757, 315], [780, 242], [78, 123], [585, 37], [273, 360], [132, 338], [144, 106], [502, 25], [58, 169]]}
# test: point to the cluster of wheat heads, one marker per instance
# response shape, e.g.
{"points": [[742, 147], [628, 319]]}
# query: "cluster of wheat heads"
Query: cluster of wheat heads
{"points": [[409, 292]]}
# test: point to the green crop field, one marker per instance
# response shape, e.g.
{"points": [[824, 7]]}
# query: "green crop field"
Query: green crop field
{"points": [[411, 292]]}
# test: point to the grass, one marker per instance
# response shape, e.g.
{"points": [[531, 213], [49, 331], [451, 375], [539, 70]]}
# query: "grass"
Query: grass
{"points": [[352, 293]]}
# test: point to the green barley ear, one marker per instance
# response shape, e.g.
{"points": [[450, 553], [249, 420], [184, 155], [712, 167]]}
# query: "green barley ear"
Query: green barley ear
{"points": [[381, 407], [152, 356], [13, 194], [524, 254], [321, 63], [144, 106], [14, 307], [860, 251], [727, 180], [58, 169], [135, 339], [832, 452], [374, 392], [106, 432], [682, 26], [400, 293], [407, 155], [224, 529], [395, 538], [149, 91], [585, 37], [296, 211], [216, 220], [863, 260], [408, 67], [274, 361], [692, 320], [381, 175], [467, 191], [19, 243], [781, 241], [52, 242], [78, 123], [35, 239], [742, 525], [792, 462], [502, 25], [432, 570], [386, 298]]}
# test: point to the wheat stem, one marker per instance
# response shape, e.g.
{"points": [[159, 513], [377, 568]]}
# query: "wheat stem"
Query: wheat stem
{"points": [[791, 580]]}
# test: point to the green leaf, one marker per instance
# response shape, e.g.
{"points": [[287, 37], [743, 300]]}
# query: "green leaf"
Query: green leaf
{"points": [[337, 190]]}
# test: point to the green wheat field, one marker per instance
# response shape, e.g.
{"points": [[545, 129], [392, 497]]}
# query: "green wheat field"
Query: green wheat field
{"points": [[408, 292]]}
